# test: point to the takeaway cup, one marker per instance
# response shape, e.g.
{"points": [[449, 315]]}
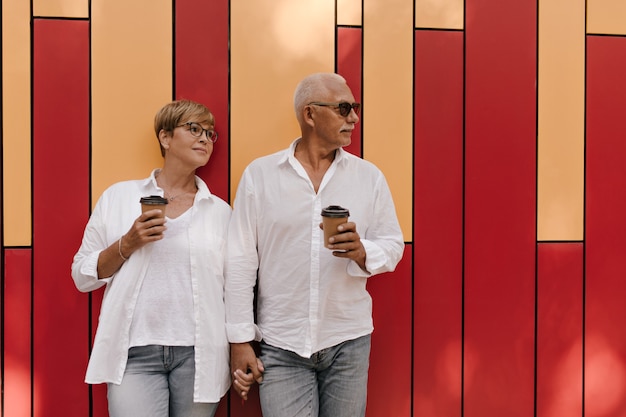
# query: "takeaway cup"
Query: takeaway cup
{"points": [[153, 202], [333, 216]]}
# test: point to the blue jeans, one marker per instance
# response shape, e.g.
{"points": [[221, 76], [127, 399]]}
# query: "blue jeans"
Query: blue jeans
{"points": [[158, 382], [331, 383]]}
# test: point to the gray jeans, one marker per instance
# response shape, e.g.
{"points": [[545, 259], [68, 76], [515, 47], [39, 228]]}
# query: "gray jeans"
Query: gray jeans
{"points": [[158, 382], [331, 383]]}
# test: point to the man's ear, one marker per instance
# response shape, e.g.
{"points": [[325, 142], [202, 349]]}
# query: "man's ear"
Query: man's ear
{"points": [[307, 114]]}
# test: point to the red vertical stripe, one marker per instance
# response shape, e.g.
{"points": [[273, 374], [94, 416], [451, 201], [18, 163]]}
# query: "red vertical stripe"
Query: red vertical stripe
{"points": [[605, 338], [350, 66], [61, 208], [389, 383], [438, 223], [250, 408], [559, 329], [17, 338], [500, 205], [202, 67]]}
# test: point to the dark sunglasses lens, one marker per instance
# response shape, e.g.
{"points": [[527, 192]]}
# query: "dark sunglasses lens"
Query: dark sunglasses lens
{"points": [[344, 109]]}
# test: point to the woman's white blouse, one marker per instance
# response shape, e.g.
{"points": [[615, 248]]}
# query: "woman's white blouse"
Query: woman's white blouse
{"points": [[114, 213]]}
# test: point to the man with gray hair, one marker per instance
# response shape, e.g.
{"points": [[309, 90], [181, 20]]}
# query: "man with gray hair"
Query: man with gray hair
{"points": [[314, 314]]}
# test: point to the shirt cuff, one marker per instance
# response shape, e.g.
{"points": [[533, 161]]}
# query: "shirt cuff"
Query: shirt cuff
{"points": [[242, 333], [375, 261]]}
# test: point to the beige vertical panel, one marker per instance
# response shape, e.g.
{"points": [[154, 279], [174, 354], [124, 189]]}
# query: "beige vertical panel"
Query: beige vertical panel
{"points": [[561, 107], [274, 44], [349, 12], [439, 14], [61, 8], [16, 122], [131, 79], [606, 17], [388, 98]]}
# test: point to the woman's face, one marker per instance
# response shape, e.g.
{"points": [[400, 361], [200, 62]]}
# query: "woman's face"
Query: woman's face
{"points": [[188, 143]]}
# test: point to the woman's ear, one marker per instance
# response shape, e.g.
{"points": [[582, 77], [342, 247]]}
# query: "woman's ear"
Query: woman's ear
{"points": [[164, 139]]}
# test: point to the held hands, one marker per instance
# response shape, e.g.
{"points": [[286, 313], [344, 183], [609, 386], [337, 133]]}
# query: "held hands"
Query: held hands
{"points": [[347, 244], [245, 367]]}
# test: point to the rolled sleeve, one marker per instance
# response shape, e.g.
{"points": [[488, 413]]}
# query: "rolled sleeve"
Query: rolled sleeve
{"points": [[85, 273], [241, 333]]}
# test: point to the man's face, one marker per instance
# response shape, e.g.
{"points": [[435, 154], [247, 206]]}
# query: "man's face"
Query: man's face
{"points": [[333, 129]]}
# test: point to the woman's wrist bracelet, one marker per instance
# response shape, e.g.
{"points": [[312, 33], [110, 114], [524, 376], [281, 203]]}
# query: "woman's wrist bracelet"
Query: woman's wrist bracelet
{"points": [[119, 249]]}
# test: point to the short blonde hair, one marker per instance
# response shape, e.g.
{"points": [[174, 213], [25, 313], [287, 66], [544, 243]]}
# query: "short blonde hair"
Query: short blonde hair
{"points": [[178, 112]]}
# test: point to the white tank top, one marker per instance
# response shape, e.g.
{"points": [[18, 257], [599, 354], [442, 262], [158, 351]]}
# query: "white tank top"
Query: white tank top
{"points": [[164, 314]]}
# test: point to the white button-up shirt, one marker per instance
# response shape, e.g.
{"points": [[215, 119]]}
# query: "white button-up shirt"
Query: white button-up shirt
{"points": [[116, 210], [308, 299]]}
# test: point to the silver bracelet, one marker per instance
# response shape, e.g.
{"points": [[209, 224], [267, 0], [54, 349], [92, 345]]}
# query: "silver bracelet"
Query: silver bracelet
{"points": [[119, 249]]}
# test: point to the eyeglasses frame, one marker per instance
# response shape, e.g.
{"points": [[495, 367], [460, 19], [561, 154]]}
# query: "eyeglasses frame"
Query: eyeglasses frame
{"points": [[211, 138], [353, 106]]}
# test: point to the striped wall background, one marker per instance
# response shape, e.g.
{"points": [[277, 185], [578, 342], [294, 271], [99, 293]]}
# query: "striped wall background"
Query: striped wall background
{"points": [[500, 125]]}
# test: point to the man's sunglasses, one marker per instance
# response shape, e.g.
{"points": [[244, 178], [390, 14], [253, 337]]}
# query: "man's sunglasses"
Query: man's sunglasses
{"points": [[344, 107]]}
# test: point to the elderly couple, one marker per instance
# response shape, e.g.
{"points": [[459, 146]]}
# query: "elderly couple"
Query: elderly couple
{"points": [[179, 303]]}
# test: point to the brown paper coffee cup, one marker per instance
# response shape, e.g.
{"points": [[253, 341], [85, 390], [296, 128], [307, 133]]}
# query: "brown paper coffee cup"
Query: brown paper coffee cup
{"points": [[333, 216], [153, 202]]}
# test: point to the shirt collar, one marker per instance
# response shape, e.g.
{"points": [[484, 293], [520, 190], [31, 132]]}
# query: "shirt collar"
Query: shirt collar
{"points": [[290, 154], [150, 187]]}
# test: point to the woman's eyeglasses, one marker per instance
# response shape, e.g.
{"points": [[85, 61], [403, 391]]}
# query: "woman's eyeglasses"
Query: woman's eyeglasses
{"points": [[196, 131], [344, 107]]}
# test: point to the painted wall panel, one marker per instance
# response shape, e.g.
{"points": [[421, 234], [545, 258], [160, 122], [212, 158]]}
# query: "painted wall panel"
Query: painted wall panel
{"points": [[561, 127], [138, 64], [61, 8], [17, 311], [350, 66], [16, 120], [387, 55], [440, 14], [500, 197], [389, 382], [60, 194], [605, 227], [559, 329], [201, 72], [250, 408], [349, 12], [606, 17], [131, 80], [438, 223], [271, 51]]}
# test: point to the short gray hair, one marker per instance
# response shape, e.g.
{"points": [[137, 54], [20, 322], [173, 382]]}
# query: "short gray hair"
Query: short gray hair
{"points": [[309, 89]]}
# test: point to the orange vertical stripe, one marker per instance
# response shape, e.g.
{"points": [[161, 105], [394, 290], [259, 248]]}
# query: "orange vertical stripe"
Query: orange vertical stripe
{"points": [[349, 13], [440, 14], [561, 128], [131, 80], [16, 122], [274, 44], [387, 117], [606, 17], [61, 8]]}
